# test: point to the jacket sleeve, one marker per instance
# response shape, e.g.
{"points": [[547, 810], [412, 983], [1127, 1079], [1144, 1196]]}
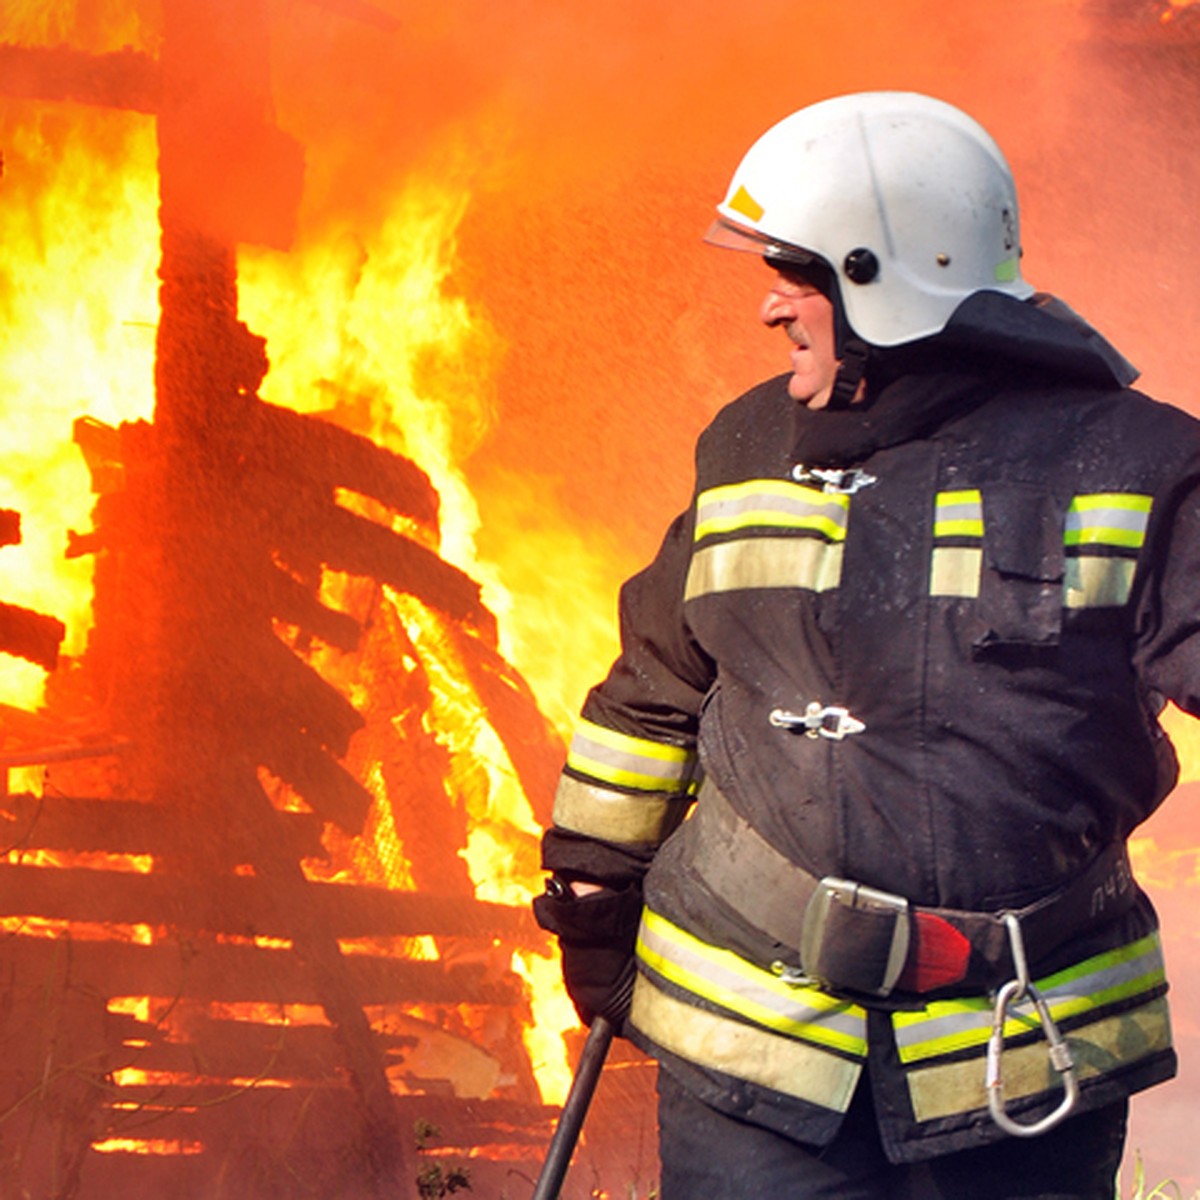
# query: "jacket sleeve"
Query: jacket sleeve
{"points": [[632, 767], [1166, 652]]}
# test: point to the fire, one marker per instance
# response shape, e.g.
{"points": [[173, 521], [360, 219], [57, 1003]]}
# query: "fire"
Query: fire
{"points": [[390, 352], [78, 298], [1172, 8], [394, 353], [161, 1146]]}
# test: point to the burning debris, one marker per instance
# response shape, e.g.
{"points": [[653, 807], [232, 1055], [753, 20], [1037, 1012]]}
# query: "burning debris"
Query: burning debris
{"points": [[243, 948], [29, 635]]}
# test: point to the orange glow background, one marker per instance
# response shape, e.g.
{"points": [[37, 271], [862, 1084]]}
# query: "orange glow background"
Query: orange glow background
{"points": [[550, 167]]}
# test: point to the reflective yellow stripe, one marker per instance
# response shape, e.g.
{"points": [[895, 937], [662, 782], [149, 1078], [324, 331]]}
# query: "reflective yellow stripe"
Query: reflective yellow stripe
{"points": [[616, 816], [946, 1026], [765, 563], [744, 1051], [1091, 582], [771, 504], [1109, 519], [1116, 520], [947, 1089], [955, 571], [630, 762], [958, 514], [725, 978]]}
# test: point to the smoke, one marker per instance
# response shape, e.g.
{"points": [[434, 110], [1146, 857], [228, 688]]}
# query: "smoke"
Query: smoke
{"points": [[593, 140]]}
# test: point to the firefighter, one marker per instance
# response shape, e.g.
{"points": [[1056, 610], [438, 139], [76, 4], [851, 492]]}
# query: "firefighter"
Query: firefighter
{"points": [[900, 665]]}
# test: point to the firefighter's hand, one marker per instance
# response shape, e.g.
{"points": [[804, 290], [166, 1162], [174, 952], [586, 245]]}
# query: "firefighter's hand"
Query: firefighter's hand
{"points": [[596, 933]]}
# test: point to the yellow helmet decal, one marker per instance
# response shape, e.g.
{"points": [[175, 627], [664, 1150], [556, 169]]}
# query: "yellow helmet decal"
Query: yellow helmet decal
{"points": [[742, 202]]}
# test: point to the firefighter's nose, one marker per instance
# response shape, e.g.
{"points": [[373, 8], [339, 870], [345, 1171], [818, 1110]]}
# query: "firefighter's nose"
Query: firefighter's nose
{"points": [[777, 307]]}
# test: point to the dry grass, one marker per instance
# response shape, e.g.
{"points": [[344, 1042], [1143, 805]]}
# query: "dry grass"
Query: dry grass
{"points": [[1167, 1190]]}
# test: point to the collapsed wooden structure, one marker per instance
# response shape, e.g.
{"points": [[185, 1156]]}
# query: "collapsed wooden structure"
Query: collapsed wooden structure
{"points": [[185, 1007]]}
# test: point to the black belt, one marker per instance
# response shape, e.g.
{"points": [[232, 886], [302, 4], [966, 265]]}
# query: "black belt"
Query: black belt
{"points": [[851, 937]]}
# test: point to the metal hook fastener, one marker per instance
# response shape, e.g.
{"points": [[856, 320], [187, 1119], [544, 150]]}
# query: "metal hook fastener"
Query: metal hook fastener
{"points": [[834, 482], [827, 721], [1059, 1051]]}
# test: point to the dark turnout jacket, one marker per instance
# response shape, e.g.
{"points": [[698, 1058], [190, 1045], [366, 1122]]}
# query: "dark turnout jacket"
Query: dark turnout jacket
{"points": [[919, 645]]}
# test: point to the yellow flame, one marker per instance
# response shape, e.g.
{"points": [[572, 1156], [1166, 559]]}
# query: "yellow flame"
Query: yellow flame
{"points": [[389, 351], [78, 307], [103, 25], [171, 1147], [552, 1013]]}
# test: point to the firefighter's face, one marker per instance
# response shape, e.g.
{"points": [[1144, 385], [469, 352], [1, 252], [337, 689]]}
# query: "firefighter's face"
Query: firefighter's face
{"points": [[805, 314]]}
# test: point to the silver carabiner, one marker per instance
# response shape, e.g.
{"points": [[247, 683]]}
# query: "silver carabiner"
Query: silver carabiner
{"points": [[1059, 1051]]}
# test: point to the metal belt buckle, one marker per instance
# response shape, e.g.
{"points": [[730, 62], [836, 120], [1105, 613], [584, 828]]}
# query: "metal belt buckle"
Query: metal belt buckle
{"points": [[827, 939]]}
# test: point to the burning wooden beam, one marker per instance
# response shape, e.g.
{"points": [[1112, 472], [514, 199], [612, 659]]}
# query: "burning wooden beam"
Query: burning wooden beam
{"points": [[217, 972], [123, 79], [245, 907], [30, 635], [24, 633]]}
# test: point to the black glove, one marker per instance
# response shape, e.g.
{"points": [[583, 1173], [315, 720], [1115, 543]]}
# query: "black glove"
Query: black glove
{"points": [[596, 933]]}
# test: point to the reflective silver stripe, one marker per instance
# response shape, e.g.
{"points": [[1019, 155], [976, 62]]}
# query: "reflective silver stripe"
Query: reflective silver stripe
{"points": [[724, 978], [955, 571], [1109, 519], [958, 514], [744, 1051], [724, 1044], [1112, 519], [771, 504], [770, 562], [1092, 582], [630, 762], [612, 816], [950, 1026], [948, 1089]]}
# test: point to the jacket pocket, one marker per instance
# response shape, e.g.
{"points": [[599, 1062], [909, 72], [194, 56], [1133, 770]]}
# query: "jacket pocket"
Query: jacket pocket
{"points": [[1021, 588]]}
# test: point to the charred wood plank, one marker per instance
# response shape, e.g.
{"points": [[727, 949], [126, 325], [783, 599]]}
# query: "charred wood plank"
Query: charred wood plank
{"points": [[269, 1138], [253, 1049], [202, 1112], [293, 603], [273, 685], [327, 787], [349, 543], [122, 79], [242, 906], [125, 827], [218, 972], [303, 451], [30, 635]]}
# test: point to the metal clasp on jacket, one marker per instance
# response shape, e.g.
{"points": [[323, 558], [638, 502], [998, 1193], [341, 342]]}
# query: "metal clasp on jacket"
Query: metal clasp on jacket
{"points": [[1060, 1052], [833, 480], [827, 721]]}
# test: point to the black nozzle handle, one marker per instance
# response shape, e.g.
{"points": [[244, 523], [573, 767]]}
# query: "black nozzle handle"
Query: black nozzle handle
{"points": [[562, 1144]]}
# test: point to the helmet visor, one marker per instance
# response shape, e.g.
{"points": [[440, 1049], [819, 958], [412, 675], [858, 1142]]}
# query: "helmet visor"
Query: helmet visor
{"points": [[730, 236], [779, 256]]}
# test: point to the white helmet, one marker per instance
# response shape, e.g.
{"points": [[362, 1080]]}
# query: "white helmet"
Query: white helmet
{"points": [[905, 198]]}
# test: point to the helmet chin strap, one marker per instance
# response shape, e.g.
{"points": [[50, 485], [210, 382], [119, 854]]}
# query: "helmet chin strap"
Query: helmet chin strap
{"points": [[850, 372]]}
